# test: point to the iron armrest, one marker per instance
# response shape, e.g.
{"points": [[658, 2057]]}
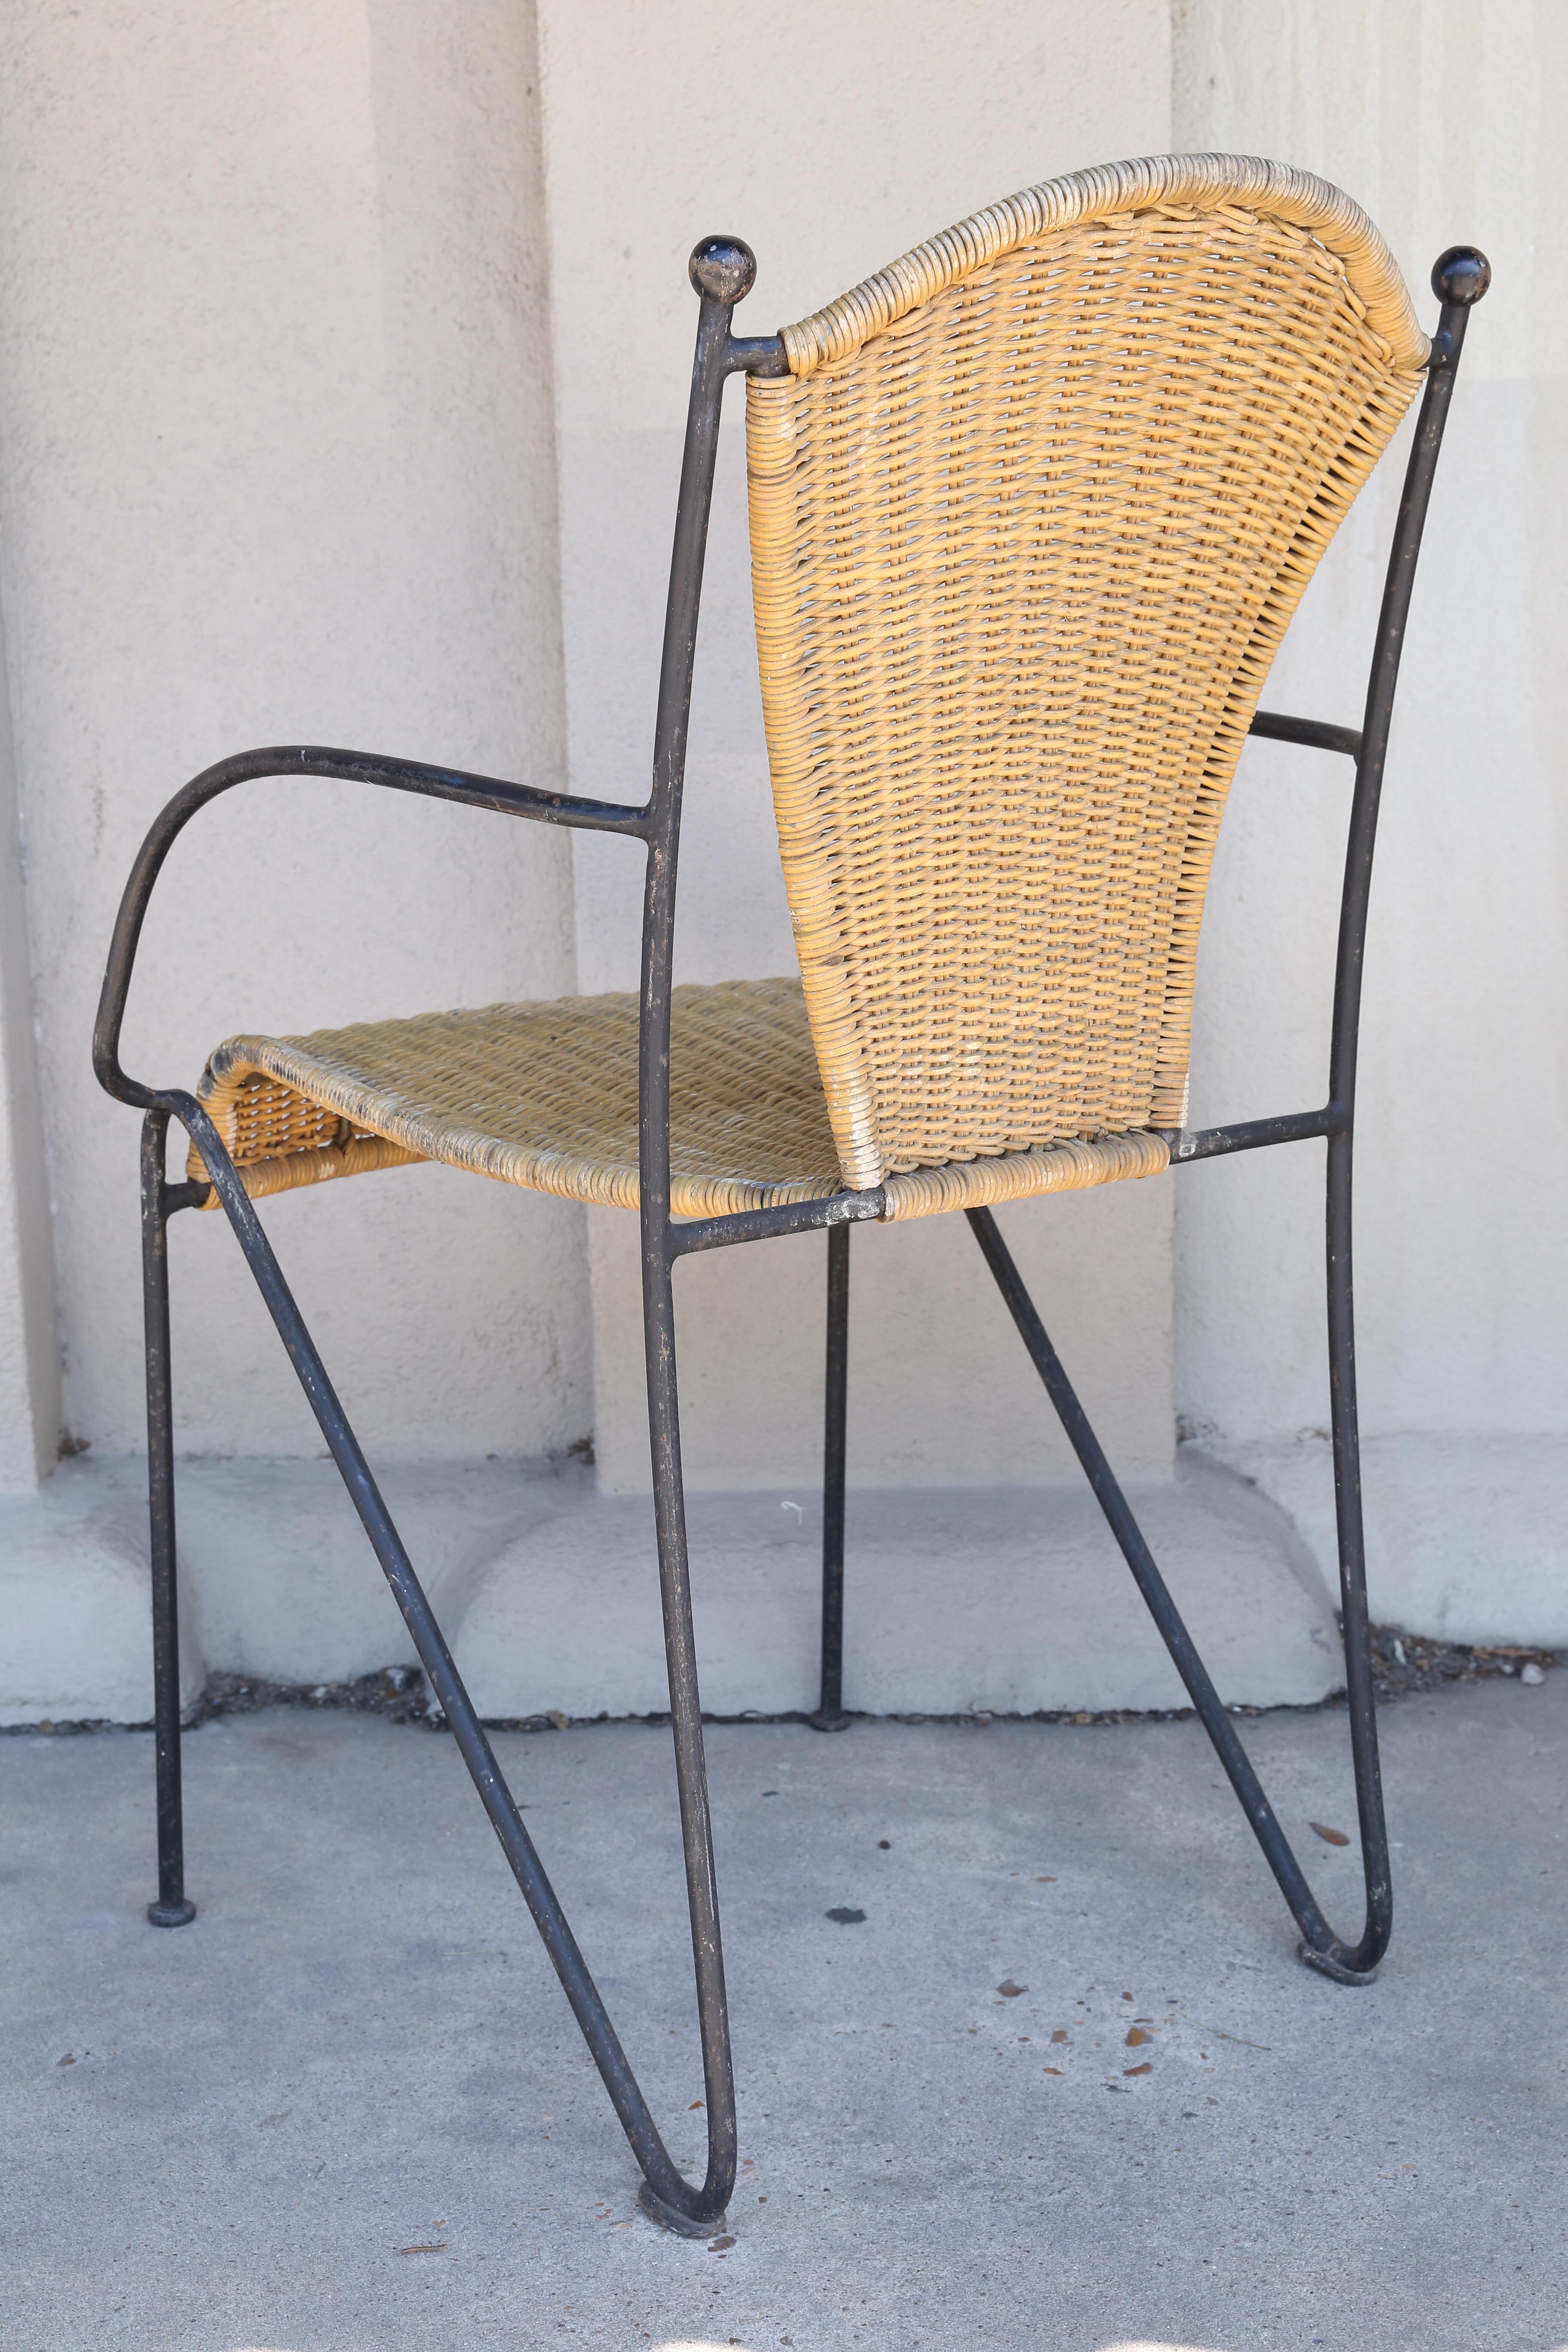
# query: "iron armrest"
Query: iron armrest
{"points": [[303, 759]]}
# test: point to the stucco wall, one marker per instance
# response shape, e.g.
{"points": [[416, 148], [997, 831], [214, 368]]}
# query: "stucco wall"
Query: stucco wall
{"points": [[343, 353]]}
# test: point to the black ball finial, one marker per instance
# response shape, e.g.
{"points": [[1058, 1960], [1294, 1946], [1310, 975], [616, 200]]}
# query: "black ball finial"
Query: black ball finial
{"points": [[1461, 275], [723, 270]]}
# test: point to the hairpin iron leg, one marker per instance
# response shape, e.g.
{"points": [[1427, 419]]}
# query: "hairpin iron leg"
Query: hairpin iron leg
{"points": [[1346, 1964], [703, 2210]]}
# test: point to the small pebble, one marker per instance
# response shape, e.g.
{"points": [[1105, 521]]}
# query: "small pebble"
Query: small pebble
{"points": [[1533, 1673]]}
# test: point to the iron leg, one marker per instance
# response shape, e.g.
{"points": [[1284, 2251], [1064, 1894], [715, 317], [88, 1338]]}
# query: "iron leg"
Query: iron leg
{"points": [[1319, 1945], [703, 2210], [696, 2211], [830, 1715], [171, 1909], [1354, 1967]]}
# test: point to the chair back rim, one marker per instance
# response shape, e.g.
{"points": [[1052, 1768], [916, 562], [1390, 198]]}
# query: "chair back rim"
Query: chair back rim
{"points": [[1206, 181]]}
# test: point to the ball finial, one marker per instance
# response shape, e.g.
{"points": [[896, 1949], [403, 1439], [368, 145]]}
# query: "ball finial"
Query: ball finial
{"points": [[1461, 275], [723, 270]]}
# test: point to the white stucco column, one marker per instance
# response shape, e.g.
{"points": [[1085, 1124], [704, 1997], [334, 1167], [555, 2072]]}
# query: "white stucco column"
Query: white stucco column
{"points": [[832, 139], [1446, 125], [275, 449], [276, 465]]}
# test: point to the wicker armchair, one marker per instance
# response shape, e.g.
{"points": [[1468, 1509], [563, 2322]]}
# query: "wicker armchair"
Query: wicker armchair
{"points": [[1031, 510]]}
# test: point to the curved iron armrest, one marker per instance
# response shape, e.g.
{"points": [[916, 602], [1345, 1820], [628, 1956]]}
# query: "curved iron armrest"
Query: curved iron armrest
{"points": [[301, 759]]}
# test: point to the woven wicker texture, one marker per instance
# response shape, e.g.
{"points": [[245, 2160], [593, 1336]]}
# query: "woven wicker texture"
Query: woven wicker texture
{"points": [[1029, 518], [546, 1096]]}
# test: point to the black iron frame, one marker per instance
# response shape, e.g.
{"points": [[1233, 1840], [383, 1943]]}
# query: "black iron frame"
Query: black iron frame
{"points": [[722, 270]]}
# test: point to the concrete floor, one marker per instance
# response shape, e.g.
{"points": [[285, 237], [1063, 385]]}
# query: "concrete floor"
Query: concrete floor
{"points": [[357, 2053]]}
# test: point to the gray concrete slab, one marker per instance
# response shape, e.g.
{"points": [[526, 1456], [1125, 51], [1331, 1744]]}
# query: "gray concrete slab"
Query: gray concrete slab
{"points": [[358, 2051]]}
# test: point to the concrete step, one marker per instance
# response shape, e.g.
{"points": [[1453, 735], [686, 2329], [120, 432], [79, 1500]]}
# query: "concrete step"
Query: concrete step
{"points": [[1006, 1600]]}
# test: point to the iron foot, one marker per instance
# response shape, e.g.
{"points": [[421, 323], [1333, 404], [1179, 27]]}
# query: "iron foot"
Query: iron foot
{"points": [[170, 1914], [821, 1722], [669, 2218], [1326, 1965]]}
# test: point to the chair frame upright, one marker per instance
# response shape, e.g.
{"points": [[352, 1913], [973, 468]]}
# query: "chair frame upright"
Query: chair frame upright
{"points": [[722, 270]]}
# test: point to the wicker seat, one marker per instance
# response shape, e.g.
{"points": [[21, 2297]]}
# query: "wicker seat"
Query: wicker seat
{"points": [[546, 1096], [541, 1094], [1030, 511]]}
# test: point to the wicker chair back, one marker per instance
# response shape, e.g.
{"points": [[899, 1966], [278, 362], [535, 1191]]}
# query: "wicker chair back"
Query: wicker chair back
{"points": [[1029, 517]]}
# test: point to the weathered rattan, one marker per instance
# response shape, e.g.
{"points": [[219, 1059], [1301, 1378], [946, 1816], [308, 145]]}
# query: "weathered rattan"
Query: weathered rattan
{"points": [[1029, 517], [546, 1096]]}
